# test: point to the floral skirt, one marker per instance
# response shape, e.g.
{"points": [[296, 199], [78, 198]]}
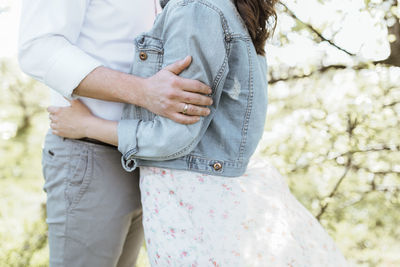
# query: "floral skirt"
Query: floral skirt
{"points": [[192, 219]]}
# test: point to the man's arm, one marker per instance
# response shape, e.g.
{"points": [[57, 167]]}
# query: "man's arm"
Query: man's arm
{"points": [[164, 94], [48, 32]]}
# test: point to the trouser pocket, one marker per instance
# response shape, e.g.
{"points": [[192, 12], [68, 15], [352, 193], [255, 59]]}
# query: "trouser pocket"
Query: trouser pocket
{"points": [[67, 169], [81, 173], [55, 165]]}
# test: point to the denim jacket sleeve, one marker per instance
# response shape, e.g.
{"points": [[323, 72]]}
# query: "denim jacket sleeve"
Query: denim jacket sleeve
{"points": [[192, 29]]}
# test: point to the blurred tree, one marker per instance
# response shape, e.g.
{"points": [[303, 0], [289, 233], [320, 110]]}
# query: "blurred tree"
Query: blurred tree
{"points": [[35, 239], [22, 124], [333, 125], [385, 13], [23, 104]]}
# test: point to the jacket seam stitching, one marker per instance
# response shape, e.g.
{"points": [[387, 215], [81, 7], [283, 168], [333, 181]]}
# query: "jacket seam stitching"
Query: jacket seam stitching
{"points": [[249, 106]]}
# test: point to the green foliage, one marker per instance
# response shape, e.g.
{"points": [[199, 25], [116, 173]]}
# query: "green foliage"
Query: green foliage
{"points": [[22, 125], [336, 139], [35, 240]]}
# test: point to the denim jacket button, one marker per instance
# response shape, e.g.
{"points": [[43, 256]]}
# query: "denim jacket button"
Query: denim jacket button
{"points": [[143, 55], [217, 166]]}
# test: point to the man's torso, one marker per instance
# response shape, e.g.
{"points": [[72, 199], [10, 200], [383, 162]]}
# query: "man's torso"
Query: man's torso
{"points": [[107, 34]]}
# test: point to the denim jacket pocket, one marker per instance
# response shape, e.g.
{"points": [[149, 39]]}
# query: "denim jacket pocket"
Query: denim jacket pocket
{"points": [[147, 62], [148, 57]]}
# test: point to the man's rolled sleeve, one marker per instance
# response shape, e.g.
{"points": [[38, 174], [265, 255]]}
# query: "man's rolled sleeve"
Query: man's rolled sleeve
{"points": [[70, 66], [47, 49]]}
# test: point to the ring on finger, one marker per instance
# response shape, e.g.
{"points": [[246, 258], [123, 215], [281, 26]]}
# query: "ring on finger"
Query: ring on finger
{"points": [[185, 109]]}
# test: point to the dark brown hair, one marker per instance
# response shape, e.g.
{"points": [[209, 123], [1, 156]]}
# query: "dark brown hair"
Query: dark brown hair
{"points": [[260, 19]]}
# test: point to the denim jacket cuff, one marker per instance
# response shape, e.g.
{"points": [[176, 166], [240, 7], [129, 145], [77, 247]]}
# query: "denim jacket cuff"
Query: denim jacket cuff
{"points": [[129, 165], [127, 142]]}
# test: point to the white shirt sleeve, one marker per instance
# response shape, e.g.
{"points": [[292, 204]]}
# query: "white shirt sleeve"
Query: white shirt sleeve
{"points": [[47, 51]]}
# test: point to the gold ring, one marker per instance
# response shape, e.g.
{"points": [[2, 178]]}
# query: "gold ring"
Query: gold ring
{"points": [[185, 109]]}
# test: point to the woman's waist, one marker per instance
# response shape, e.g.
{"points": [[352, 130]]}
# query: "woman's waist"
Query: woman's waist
{"points": [[201, 164], [255, 166]]}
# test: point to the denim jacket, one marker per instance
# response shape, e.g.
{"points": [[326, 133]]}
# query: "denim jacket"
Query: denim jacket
{"points": [[224, 58]]}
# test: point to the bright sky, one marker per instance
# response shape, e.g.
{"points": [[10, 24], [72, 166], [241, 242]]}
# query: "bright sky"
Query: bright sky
{"points": [[9, 28], [359, 32]]}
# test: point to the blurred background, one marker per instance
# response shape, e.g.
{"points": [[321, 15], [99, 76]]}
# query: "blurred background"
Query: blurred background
{"points": [[332, 128]]}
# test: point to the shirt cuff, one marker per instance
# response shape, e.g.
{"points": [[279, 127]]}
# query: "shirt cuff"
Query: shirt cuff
{"points": [[70, 66], [127, 143]]}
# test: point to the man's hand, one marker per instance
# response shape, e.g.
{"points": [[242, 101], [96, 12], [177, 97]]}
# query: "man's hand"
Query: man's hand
{"points": [[167, 94]]}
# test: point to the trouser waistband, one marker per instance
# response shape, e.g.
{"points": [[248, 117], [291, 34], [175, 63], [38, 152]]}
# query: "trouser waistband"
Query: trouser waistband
{"points": [[94, 141]]}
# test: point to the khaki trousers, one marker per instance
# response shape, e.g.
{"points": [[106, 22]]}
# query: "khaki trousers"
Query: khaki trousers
{"points": [[93, 206]]}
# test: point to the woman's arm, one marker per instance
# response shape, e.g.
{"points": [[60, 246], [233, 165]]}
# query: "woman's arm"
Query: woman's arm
{"points": [[77, 121], [193, 28]]}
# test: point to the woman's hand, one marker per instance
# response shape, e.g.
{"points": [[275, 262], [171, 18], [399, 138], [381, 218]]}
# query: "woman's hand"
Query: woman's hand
{"points": [[72, 121]]}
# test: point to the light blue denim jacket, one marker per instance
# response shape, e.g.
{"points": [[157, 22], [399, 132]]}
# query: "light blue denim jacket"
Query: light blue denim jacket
{"points": [[224, 58]]}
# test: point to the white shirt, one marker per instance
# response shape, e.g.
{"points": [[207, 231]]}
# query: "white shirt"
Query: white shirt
{"points": [[62, 41]]}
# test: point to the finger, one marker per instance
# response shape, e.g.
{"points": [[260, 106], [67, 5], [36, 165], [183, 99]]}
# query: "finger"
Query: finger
{"points": [[185, 119], [195, 86], [194, 99], [193, 110], [52, 109], [53, 125], [179, 66]]}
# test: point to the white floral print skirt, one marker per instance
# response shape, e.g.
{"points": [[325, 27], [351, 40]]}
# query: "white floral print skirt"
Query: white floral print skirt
{"points": [[192, 219]]}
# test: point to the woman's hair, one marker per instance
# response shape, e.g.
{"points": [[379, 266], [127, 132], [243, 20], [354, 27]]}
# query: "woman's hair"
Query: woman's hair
{"points": [[260, 19]]}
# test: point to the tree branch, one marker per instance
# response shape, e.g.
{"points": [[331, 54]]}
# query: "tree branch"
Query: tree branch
{"points": [[358, 167], [333, 192], [392, 60], [371, 149], [361, 66], [314, 30]]}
